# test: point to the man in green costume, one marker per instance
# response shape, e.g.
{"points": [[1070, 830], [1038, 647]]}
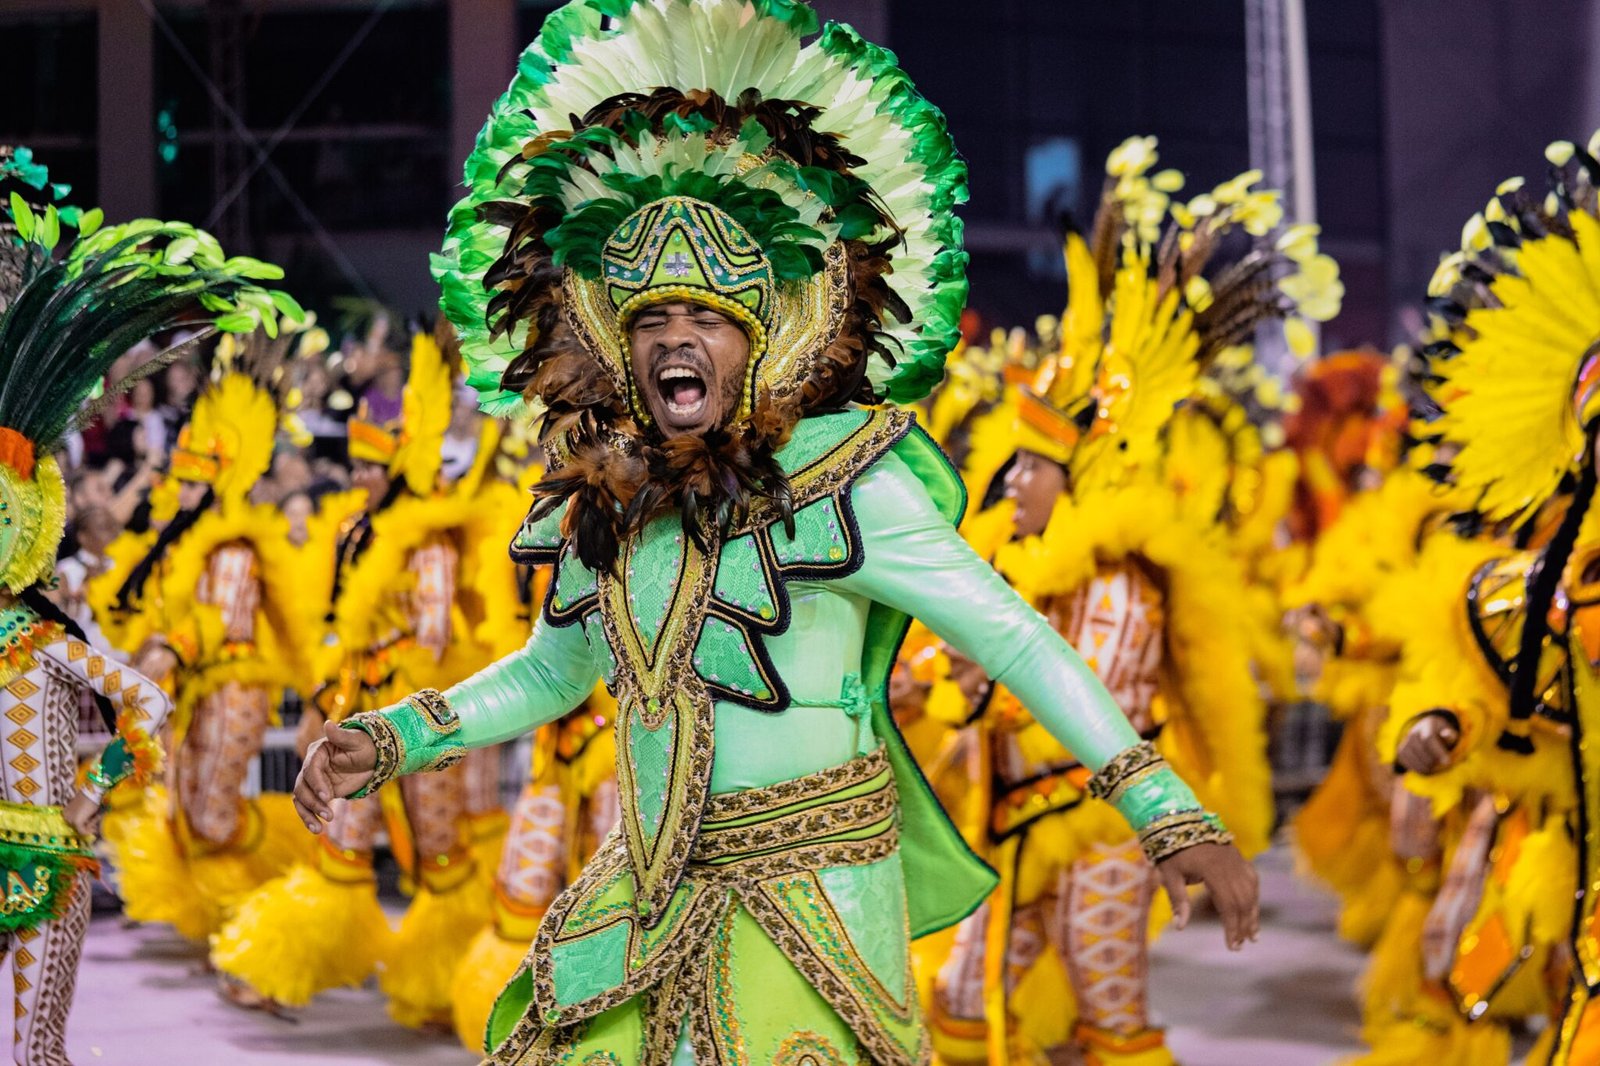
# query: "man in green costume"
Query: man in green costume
{"points": [[703, 249]]}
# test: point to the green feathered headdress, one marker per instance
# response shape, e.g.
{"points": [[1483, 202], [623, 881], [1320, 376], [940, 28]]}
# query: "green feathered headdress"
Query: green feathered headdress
{"points": [[813, 188], [65, 318]]}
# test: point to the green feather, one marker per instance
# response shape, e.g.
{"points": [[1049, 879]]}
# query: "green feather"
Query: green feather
{"points": [[118, 286]]}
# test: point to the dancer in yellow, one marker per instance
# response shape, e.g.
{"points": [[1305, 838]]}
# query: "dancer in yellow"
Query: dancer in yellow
{"points": [[220, 617], [1498, 699], [1106, 548], [1377, 844], [394, 625], [1344, 832]]}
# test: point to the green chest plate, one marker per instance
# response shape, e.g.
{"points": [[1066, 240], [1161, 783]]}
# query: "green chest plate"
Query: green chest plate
{"points": [[746, 591]]}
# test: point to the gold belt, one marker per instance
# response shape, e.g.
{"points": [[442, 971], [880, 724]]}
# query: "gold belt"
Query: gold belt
{"points": [[847, 815]]}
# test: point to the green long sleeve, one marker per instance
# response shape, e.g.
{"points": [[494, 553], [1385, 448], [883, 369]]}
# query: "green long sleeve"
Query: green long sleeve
{"points": [[916, 562], [540, 682]]}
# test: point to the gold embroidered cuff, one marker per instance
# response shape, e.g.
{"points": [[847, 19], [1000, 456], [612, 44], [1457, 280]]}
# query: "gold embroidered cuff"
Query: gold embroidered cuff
{"points": [[1126, 769], [391, 748], [1168, 835]]}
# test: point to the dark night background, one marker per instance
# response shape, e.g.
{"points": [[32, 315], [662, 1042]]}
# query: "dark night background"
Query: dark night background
{"points": [[1419, 108]]}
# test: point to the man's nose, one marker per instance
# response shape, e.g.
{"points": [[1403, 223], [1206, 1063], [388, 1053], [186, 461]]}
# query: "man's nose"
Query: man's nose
{"points": [[676, 332]]}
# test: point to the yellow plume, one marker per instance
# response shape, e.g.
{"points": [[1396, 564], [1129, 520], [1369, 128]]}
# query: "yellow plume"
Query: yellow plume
{"points": [[236, 421], [426, 407], [1508, 396]]}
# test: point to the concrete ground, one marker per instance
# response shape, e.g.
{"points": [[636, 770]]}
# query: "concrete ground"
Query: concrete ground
{"points": [[1286, 1001]]}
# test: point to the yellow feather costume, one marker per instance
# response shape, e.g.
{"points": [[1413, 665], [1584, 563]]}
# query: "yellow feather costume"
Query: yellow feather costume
{"points": [[1215, 732], [1508, 643], [171, 873], [371, 656], [1139, 326], [1342, 833]]}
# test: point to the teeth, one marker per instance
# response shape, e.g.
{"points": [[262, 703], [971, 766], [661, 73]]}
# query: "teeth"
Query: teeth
{"points": [[673, 373]]}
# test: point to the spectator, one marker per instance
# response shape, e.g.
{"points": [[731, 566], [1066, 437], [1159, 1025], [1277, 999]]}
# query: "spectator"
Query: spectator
{"points": [[298, 508], [382, 398], [460, 445], [329, 476], [143, 410], [316, 385], [181, 385], [96, 528], [290, 474], [89, 488]]}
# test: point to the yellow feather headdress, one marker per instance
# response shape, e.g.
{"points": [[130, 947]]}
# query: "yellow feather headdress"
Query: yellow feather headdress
{"points": [[410, 449], [1517, 377], [1142, 318], [228, 440]]}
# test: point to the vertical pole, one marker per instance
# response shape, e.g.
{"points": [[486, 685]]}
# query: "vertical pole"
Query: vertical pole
{"points": [[1279, 93], [1302, 173]]}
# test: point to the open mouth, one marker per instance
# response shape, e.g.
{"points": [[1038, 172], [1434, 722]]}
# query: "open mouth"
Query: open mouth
{"points": [[684, 392]]}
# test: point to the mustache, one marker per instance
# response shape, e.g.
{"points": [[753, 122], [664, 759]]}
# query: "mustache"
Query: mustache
{"points": [[682, 353]]}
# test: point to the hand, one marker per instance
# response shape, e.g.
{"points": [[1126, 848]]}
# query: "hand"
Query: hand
{"points": [[337, 764], [155, 660], [1232, 882], [83, 814], [1429, 745]]}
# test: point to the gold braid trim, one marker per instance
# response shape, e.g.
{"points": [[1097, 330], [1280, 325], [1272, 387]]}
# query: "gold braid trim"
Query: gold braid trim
{"points": [[1168, 835], [1126, 769], [673, 977], [435, 710]]}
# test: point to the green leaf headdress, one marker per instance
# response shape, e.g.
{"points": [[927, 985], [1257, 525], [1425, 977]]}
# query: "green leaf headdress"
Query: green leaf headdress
{"points": [[65, 318], [698, 149]]}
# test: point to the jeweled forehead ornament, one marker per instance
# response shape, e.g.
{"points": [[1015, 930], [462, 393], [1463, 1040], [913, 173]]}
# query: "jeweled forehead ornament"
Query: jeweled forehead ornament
{"points": [[683, 250]]}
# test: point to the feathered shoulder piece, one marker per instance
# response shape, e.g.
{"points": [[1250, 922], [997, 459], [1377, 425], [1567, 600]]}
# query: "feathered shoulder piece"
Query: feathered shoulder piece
{"points": [[70, 305], [1516, 375], [1152, 300], [1516, 378]]}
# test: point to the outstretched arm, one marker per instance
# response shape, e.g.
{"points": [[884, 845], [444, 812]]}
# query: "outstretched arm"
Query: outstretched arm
{"points": [[917, 563], [545, 679]]}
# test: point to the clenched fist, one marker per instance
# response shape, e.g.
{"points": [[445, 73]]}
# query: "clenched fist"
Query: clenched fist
{"points": [[338, 763], [1429, 745]]}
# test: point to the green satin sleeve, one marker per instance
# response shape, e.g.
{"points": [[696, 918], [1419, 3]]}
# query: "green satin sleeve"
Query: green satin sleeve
{"points": [[916, 563], [536, 684]]}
